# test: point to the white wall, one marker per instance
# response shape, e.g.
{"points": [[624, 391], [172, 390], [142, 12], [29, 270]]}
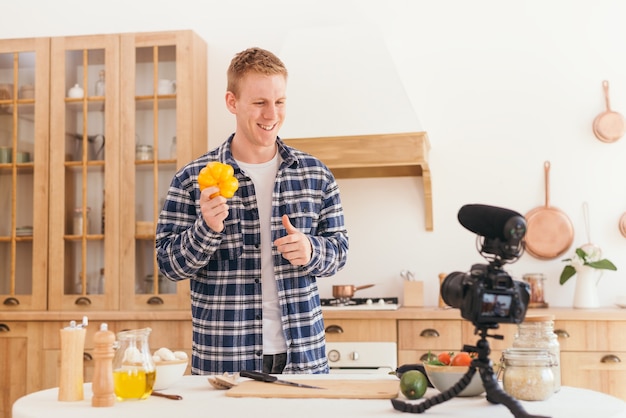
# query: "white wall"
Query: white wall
{"points": [[500, 87]]}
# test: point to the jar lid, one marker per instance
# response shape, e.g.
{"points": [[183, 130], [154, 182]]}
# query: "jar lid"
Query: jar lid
{"points": [[538, 318]]}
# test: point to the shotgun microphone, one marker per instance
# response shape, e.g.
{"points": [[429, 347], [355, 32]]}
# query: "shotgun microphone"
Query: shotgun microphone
{"points": [[493, 222]]}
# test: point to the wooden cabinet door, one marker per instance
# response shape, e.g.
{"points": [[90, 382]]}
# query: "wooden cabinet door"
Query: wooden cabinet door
{"points": [[24, 116], [151, 120], [20, 362], [84, 174]]}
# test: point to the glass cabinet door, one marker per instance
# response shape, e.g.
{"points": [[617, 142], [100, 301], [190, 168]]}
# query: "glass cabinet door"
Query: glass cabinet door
{"points": [[84, 173], [164, 126], [24, 82]]}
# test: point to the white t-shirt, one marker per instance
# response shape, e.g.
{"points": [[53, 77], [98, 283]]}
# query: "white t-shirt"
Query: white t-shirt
{"points": [[264, 176]]}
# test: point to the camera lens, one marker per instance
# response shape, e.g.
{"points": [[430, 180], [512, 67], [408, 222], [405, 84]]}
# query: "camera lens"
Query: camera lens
{"points": [[452, 289]]}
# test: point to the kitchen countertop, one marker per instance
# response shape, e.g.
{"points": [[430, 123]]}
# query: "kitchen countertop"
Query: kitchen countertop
{"points": [[428, 312], [200, 399]]}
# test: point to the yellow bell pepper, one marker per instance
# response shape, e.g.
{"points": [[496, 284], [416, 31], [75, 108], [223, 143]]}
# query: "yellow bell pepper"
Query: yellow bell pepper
{"points": [[220, 175]]}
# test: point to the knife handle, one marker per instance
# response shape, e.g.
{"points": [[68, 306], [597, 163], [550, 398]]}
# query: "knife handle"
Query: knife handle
{"points": [[259, 376]]}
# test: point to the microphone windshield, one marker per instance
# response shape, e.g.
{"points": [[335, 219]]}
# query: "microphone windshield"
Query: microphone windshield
{"points": [[492, 222]]}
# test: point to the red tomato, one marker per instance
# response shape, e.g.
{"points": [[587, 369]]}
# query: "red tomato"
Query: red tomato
{"points": [[461, 359], [445, 358]]}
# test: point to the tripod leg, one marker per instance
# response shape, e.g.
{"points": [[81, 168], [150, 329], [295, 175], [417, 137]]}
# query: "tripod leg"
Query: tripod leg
{"points": [[496, 395]]}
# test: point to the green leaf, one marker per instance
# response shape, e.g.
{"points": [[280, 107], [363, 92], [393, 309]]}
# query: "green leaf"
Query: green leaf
{"points": [[580, 253], [603, 265], [567, 272]]}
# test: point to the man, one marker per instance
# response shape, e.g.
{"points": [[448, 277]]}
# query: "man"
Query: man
{"points": [[253, 260]]}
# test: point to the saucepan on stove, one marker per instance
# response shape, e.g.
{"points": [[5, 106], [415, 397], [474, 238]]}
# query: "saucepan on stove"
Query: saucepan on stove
{"points": [[347, 291]]}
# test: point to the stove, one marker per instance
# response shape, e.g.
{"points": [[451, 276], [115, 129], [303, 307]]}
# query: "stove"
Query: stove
{"points": [[361, 304]]}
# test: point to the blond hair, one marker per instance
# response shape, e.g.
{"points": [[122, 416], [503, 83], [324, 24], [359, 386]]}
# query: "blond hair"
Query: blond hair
{"points": [[252, 60]]}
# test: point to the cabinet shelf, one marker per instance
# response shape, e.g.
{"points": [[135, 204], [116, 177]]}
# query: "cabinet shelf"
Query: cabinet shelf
{"points": [[368, 156]]}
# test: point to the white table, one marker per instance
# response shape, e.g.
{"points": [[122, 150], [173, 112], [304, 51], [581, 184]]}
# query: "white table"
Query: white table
{"points": [[201, 400]]}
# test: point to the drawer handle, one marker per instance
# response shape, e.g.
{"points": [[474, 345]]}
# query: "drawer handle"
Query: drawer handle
{"points": [[87, 356], [83, 301], [429, 333], [334, 329], [561, 333], [610, 358], [427, 357], [11, 301], [4, 328], [155, 300]]}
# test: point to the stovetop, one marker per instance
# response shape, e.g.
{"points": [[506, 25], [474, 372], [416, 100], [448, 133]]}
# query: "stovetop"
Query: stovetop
{"points": [[372, 304]]}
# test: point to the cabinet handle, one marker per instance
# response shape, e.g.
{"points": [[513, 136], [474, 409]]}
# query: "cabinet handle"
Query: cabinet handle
{"points": [[87, 356], [11, 301], [155, 300], [4, 328], [334, 329], [83, 301], [610, 358], [427, 357], [561, 333], [429, 333]]}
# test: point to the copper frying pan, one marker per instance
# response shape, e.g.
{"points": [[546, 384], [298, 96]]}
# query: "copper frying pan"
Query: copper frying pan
{"points": [[347, 291], [622, 225], [608, 126], [549, 232]]}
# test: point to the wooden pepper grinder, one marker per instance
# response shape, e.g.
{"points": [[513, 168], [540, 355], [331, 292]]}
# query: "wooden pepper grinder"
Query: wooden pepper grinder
{"points": [[102, 384], [72, 349]]}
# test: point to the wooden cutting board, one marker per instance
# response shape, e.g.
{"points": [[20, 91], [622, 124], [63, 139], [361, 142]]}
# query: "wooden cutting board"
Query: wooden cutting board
{"points": [[335, 389]]}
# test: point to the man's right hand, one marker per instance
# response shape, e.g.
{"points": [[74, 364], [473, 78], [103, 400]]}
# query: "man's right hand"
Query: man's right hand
{"points": [[214, 210]]}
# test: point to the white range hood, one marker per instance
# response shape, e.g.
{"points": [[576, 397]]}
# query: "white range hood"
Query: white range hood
{"points": [[343, 81]]}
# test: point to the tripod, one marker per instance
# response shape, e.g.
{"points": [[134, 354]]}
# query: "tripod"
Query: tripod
{"points": [[495, 394]]}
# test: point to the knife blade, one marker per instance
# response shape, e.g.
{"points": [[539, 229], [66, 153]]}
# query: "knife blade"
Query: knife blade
{"points": [[270, 378]]}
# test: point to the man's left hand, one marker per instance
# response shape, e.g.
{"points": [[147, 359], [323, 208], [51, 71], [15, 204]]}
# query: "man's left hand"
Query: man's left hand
{"points": [[295, 246]]}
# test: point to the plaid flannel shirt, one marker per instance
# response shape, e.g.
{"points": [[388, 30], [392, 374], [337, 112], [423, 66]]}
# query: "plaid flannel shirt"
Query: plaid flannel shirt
{"points": [[225, 268]]}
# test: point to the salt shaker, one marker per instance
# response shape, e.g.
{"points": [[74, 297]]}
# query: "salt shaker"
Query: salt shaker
{"points": [[102, 384], [72, 348]]}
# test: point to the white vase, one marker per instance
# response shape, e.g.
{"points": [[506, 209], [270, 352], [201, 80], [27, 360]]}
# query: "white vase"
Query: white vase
{"points": [[586, 292]]}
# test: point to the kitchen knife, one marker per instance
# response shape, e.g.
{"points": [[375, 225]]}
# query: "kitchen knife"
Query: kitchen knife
{"points": [[269, 378]]}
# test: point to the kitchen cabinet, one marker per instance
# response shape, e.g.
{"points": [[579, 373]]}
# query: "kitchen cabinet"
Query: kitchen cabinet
{"points": [[592, 341], [386, 155], [20, 362], [24, 116], [593, 354], [92, 130], [113, 154]]}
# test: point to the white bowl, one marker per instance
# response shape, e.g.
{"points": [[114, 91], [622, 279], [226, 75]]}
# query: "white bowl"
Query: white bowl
{"points": [[444, 377], [168, 373]]}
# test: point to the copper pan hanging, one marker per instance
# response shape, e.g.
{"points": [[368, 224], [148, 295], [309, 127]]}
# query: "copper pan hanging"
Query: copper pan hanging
{"points": [[549, 231], [622, 224], [608, 126]]}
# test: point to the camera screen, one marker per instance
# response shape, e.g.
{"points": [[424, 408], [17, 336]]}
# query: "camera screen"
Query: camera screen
{"points": [[496, 305]]}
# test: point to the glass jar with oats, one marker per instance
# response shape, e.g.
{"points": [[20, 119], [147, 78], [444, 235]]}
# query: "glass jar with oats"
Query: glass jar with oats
{"points": [[537, 331], [527, 374]]}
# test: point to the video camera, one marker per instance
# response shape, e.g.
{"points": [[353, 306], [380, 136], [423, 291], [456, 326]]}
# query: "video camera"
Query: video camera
{"points": [[487, 295]]}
